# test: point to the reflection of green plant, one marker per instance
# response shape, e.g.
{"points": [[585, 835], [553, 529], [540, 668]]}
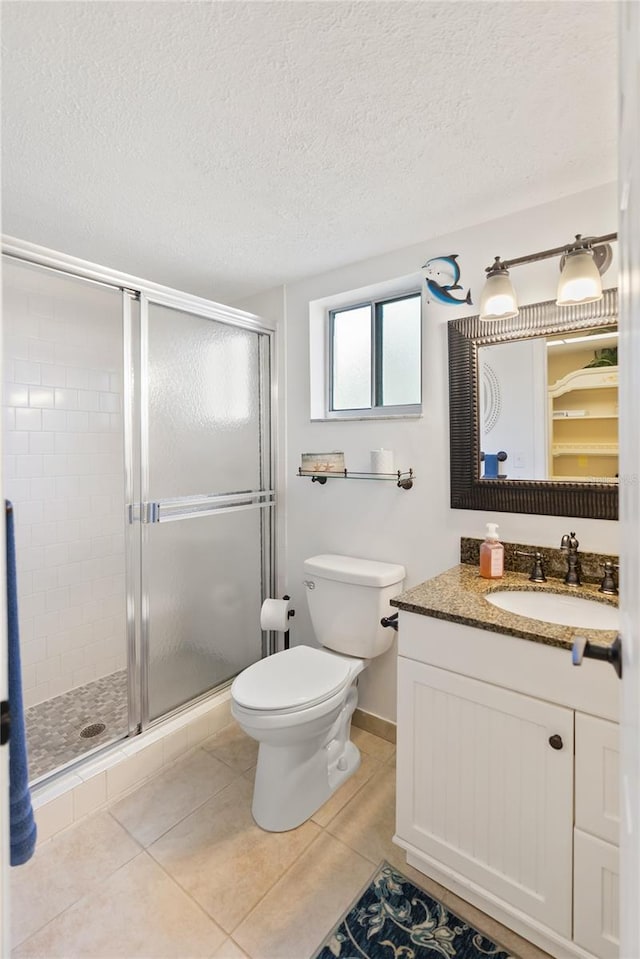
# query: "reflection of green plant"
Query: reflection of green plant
{"points": [[605, 357]]}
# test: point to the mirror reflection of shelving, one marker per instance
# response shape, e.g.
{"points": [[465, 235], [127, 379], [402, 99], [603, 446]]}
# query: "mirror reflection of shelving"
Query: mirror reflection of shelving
{"points": [[583, 424]]}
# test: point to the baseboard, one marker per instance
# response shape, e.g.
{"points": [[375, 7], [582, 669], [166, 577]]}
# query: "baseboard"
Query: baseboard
{"points": [[383, 728]]}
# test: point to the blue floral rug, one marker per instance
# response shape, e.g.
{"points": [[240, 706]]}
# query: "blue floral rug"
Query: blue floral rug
{"points": [[393, 919]]}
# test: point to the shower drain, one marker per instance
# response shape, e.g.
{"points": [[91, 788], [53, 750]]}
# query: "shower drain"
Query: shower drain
{"points": [[94, 729]]}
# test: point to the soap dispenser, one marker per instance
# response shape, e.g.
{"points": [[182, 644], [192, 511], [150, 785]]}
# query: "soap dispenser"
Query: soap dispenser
{"points": [[492, 554]]}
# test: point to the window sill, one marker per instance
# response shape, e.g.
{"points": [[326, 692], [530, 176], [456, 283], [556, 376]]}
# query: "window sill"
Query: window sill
{"points": [[362, 415]]}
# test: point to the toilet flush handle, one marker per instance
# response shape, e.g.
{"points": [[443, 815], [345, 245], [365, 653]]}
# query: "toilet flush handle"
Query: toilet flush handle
{"points": [[309, 583]]}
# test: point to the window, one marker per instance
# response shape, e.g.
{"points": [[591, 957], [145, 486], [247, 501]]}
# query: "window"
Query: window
{"points": [[375, 358]]}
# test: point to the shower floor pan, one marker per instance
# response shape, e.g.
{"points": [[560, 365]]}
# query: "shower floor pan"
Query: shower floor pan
{"points": [[62, 729]]}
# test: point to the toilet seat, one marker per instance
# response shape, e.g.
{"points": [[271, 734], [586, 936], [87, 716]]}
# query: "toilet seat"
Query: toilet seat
{"points": [[294, 679]]}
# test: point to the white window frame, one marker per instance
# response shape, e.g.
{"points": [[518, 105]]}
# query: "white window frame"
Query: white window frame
{"points": [[376, 410]]}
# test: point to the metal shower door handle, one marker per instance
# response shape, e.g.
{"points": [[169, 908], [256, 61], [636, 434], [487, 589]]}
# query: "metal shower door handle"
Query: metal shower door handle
{"points": [[150, 512]]}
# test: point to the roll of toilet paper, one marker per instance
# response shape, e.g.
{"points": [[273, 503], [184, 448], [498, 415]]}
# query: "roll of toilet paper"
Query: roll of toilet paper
{"points": [[382, 461], [275, 615]]}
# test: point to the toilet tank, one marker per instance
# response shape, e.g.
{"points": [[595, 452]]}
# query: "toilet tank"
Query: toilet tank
{"points": [[347, 598]]}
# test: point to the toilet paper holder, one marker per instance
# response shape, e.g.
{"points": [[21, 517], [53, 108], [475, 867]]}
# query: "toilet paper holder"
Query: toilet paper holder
{"points": [[290, 614], [275, 615]]}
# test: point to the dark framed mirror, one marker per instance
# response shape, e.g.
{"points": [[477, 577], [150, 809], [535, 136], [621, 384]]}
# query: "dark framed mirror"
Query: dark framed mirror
{"points": [[533, 411]]}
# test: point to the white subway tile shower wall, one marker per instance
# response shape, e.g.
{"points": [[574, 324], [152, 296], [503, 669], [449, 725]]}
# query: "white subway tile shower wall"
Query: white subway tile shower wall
{"points": [[63, 464]]}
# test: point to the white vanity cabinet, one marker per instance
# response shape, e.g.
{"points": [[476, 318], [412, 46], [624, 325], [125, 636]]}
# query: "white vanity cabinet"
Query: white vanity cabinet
{"points": [[507, 780], [488, 795], [597, 824]]}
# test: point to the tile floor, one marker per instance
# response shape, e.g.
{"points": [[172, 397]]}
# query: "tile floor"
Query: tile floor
{"points": [[179, 869], [54, 726]]}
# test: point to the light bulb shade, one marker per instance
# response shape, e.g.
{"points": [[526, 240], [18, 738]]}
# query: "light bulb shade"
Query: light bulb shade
{"points": [[580, 280], [498, 300]]}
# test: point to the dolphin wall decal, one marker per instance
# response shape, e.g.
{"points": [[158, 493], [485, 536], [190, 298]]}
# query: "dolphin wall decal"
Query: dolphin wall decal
{"points": [[441, 276]]}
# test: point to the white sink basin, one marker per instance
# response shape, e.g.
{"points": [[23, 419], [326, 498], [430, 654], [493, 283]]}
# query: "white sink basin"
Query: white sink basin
{"points": [[556, 608]]}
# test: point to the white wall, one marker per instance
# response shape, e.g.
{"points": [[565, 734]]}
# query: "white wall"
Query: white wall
{"points": [[63, 469], [376, 520]]}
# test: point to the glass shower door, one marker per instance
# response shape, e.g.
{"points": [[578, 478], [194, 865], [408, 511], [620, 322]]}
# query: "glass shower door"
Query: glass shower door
{"points": [[206, 487]]}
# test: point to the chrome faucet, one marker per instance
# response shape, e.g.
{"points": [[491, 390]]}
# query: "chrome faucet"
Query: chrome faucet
{"points": [[569, 544]]}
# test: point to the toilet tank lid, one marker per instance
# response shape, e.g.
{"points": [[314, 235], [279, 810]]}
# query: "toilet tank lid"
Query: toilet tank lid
{"points": [[350, 569]]}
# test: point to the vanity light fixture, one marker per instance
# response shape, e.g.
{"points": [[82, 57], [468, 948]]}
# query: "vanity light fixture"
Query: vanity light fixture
{"points": [[580, 280], [498, 299], [582, 264]]}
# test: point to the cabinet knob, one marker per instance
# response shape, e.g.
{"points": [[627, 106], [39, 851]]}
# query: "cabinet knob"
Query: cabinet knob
{"points": [[555, 741]]}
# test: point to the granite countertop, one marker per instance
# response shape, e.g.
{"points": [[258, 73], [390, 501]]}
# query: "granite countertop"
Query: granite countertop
{"points": [[458, 596]]}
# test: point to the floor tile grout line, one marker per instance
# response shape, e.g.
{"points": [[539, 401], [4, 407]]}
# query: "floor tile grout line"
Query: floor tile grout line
{"points": [[68, 830], [84, 895], [271, 886], [191, 751], [144, 852], [128, 791], [175, 882], [374, 862], [280, 877], [178, 821], [235, 943], [323, 831], [232, 723], [141, 852], [308, 849], [286, 870], [128, 832], [226, 763], [356, 793], [344, 841], [109, 803], [187, 893]]}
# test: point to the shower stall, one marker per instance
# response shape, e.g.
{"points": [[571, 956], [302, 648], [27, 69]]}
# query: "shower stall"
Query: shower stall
{"points": [[138, 457]]}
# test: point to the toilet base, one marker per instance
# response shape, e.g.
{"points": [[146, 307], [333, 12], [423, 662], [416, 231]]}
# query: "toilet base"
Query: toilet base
{"points": [[289, 788]]}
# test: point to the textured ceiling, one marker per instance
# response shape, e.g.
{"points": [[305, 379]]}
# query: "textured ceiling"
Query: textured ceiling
{"points": [[223, 148]]}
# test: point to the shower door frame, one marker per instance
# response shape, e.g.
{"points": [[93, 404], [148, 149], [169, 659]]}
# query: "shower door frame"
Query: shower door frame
{"points": [[146, 512], [133, 289]]}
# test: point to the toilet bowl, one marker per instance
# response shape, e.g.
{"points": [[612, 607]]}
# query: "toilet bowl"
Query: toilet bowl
{"points": [[298, 703]]}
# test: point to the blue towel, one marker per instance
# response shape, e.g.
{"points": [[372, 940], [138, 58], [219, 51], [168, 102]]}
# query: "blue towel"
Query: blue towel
{"points": [[21, 822]]}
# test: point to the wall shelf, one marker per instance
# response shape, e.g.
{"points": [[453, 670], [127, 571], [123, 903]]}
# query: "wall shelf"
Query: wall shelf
{"points": [[584, 449], [587, 416], [589, 397], [404, 480]]}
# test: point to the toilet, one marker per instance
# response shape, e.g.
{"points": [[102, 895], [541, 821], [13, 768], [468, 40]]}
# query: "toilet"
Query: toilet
{"points": [[298, 703]]}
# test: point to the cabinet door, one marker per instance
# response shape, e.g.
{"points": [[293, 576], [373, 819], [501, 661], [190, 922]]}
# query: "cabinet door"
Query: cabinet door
{"points": [[596, 903], [597, 774], [481, 790]]}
